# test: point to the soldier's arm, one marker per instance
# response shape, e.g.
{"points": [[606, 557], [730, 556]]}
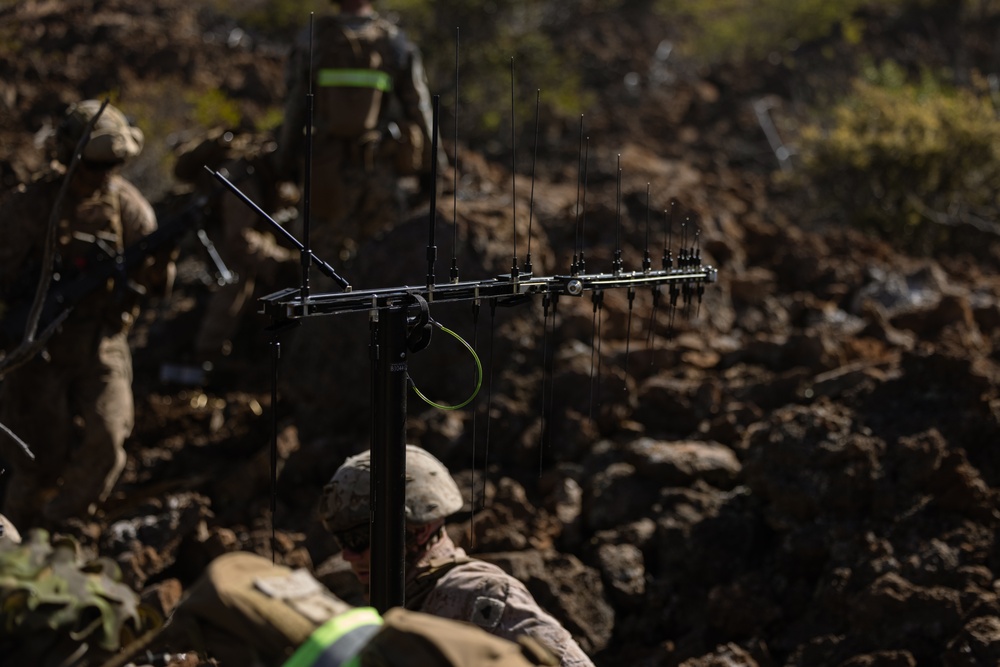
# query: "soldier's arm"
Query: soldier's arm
{"points": [[523, 616], [482, 594], [411, 87], [139, 220]]}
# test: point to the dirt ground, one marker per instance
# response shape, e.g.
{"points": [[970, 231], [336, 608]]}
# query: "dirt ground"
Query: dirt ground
{"points": [[799, 469]]}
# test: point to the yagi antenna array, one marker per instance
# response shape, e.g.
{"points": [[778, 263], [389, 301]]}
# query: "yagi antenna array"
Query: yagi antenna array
{"points": [[400, 324]]}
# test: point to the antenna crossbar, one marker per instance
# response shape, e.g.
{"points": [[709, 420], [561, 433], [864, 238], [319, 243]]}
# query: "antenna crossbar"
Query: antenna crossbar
{"points": [[288, 303]]}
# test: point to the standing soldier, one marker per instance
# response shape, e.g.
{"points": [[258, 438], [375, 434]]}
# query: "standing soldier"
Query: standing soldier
{"points": [[440, 578], [246, 246], [72, 403], [360, 64]]}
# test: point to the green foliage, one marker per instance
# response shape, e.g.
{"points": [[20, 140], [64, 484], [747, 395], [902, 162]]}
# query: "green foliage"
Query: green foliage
{"points": [[272, 118], [720, 30], [900, 156], [213, 108], [282, 17], [489, 35]]}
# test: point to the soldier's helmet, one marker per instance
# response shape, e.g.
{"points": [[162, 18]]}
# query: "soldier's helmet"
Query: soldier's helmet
{"points": [[112, 139], [431, 492]]}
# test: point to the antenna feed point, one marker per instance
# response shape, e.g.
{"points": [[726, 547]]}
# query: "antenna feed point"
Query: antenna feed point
{"points": [[574, 287]]}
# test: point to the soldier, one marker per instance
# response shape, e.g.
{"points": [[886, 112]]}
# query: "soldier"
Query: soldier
{"points": [[244, 610], [440, 578], [246, 246], [73, 402], [361, 63]]}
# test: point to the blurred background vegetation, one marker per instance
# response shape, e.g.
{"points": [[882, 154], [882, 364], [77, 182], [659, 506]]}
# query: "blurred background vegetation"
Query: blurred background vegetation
{"points": [[902, 141], [886, 110]]}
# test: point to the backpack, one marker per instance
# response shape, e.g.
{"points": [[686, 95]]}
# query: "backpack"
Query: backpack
{"points": [[356, 63]]}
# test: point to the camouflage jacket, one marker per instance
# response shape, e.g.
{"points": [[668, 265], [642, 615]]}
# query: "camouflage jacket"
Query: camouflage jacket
{"points": [[111, 218], [365, 72], [446, 582]]}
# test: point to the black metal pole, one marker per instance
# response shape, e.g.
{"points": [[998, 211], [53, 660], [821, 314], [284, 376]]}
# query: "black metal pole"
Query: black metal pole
{"points": [[388, 484]]}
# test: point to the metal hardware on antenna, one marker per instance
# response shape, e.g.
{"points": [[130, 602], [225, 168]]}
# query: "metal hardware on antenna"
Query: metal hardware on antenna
{"points": [[396, 331]]}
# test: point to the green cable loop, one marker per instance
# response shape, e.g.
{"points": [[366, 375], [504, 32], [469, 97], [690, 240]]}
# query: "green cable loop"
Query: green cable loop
{"points": [[479, 375]]}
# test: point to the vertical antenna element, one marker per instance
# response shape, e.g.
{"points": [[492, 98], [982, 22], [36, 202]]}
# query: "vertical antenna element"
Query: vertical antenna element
{"points": [[668, 236], [513, 173], [582, 265], [695, 262], [307, 184], [575, 267], [546, 300], [675, 290], [668, 264], [595, 349], [489, 396], [432, 214], [454, 243], [628, 335], [275, 355], [682, 257], [475, 413], [616, 264], [647, 261], [531, 198]]}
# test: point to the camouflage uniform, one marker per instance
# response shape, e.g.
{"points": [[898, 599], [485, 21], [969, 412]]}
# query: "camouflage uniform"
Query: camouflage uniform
{"points": [[245, 610], [447, 583], [440, 578], [360, 65], [245, 244], [73, 403]]}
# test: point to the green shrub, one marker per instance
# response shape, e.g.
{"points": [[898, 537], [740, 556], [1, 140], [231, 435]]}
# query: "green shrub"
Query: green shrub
{"points": [[722, 30], [213, 108], [901, 158], [280, 18], [489, 35]]}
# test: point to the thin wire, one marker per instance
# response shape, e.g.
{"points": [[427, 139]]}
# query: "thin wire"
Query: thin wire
{"points": [[647, 261], [454, 243], [617, 262], [600, 339], [628, 335], [593, 333], [579, 181], [479, 374], [275, 356], [489, 399], [513, 169], [475, 414], [531, 197], [583, 210], [552, 359], [545, 350]]}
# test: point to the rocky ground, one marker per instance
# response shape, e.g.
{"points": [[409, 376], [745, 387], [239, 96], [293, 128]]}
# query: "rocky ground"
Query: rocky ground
{"points": [[800, 470]]}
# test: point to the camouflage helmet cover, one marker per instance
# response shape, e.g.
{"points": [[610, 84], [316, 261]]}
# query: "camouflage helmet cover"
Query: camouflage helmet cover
{"points": [[112, 139], [431, 492]]}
